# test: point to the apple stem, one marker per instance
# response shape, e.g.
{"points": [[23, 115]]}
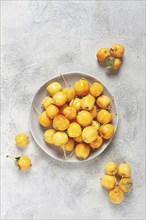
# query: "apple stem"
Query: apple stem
{"points": [[64, 80], [68, 113], [103, 124], [36, 108], [87, 81], [65, 157], [71, 154], [100, 138], [108, 109], [11, 157], [73, 102]]}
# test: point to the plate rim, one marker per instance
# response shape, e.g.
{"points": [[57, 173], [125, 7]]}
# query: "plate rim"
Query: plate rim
{"points": [[40, 146]]}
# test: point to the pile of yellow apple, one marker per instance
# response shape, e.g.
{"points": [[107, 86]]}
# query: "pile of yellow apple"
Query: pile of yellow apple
{"points": [[111, 57], [79, 117], [23, 162], [109, 181]]}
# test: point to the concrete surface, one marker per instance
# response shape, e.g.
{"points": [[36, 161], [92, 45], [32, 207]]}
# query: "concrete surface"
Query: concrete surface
{"points": [[41, 39]]}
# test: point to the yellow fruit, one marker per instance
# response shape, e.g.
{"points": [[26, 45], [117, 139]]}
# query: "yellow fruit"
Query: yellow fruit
{"points": [[60, 123], [126, 184], [59, 98], [70, 113], [87, 102], [46, 102], [102, 54], [61, 108], [21, 140], [70, 94], [53, 88], [52, 111], [84, 118], [89, 134], [108, 182], [111, 168], [117, 64], [104, 116], [106, 131], [96, 89], [74, 130], [60, 138], [124, 170], [82, 151], [94, 112], [97, 143], [48, 135], [117, 50], [24, 163], [76, 103], [79, 139], [81, 87], [96, 125], [116, 195], [103, 101], [69, 146], [44, 120]]}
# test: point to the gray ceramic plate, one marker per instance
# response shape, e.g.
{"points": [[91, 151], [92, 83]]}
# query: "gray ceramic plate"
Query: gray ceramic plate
{"points": [[38, 131]]}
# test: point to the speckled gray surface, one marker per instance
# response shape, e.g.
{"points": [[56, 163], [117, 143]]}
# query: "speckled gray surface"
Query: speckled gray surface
{"points": [[39, 40]]}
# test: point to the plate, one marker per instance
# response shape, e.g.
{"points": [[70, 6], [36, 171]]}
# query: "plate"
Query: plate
{"points": [[38, 131]]}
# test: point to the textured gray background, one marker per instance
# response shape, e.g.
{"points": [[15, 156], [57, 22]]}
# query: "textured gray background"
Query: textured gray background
{"points": [[39, 40]]}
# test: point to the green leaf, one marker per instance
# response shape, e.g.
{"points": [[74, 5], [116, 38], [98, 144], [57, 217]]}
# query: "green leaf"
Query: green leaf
{"points": [[109, 62], [129, 191], [129, 187]]}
